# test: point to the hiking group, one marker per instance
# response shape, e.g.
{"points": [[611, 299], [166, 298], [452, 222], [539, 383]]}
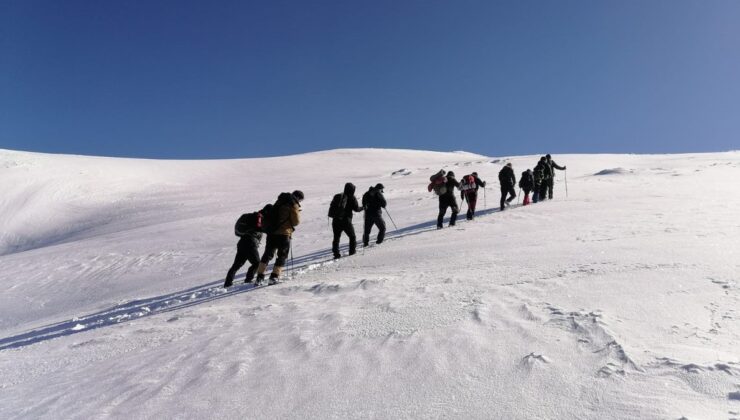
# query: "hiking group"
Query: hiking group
{"points": [[278, 220]]}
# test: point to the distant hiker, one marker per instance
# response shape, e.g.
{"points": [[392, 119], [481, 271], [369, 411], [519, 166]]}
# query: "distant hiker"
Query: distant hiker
{"points": [[249, 228], [340, 210], [541, 176], [551, 182], [444, 187], [507, 179], [469, 192], [526, 183], [283, 217], [373, 202]]}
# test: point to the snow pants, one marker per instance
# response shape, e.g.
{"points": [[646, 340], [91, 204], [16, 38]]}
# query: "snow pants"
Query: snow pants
{"points": [[340, 226], [247, 249], [507, 190], [445, 202], [472, 199], [279, 243], [370, 221]]}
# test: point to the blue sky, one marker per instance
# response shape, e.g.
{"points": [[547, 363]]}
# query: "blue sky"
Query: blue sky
{"points": [[187, 79]]}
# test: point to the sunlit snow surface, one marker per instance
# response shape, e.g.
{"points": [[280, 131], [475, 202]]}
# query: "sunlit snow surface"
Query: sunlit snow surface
{"points": [[619, 301]]}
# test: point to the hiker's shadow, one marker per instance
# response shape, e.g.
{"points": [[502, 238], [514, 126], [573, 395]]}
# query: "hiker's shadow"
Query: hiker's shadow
{"points": [[209, 292]]}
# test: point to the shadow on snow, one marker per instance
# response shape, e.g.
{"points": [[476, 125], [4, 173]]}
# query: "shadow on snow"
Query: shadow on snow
{"points": [[141, 308]]}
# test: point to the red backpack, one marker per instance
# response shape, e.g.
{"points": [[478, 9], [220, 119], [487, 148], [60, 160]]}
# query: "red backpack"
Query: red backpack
{"points": [[468, 183]]}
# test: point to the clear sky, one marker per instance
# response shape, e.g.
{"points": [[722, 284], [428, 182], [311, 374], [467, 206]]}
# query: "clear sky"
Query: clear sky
{"points": [[221, 79]]}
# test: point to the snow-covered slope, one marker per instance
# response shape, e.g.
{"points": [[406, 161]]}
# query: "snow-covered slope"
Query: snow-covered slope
{"points": [[619, 301]]}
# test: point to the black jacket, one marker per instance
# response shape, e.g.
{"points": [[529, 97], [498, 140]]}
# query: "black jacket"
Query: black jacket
{"points": [[348, 202], [373, 201], [449, 195], [553, 166], [506, 177]]}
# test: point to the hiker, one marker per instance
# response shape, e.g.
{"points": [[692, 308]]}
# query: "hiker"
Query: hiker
{"points": [[447, 199], [541, 175], [551, 182], [247, 249], [507, 179], [526, 183], [341, 210], [469, 192], [373, 202], [285, 216]]}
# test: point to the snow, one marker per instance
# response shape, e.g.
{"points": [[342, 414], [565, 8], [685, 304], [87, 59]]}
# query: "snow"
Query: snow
{"points": [[621, 300]]}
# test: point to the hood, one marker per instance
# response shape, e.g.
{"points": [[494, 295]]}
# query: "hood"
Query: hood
{"points": [[349, 188]]}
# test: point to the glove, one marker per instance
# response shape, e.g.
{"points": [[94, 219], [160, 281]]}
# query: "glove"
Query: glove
{"points": [[565, 167]]}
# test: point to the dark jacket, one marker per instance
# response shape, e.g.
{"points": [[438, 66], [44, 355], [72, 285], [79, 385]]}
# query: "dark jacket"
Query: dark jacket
{"points": [[553, 166], [526, 182], [373, 201], [541, 173], [506, 177], [449, 195], [348, 202]]}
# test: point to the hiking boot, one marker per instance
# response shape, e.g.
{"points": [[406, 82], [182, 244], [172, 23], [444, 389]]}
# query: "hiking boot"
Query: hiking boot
{"points": [[336, 257], [229, 279], [260, 280], [273, 280]]}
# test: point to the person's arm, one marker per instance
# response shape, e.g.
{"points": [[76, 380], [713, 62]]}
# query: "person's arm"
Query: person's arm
{"points": [[381, 200], [480, 183], [295, 215], [556, 166], [355, 205]]}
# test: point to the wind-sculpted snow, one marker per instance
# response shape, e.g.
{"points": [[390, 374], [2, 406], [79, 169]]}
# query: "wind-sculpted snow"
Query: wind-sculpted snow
{"points": [[618, 301]]}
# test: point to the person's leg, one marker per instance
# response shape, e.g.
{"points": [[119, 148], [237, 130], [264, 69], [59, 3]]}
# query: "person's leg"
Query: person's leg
{"points": [[239, 260], [349, 229], [512, 195], [472, 200], [253, 255], [366, 231], [336, 227], [550, 185], [455, 210], [380, 223], [270, 248], [283, 251], [503, 198], [442, 210]]}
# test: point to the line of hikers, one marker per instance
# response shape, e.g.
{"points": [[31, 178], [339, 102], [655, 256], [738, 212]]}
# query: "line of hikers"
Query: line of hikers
{"points": [[279, 220]]}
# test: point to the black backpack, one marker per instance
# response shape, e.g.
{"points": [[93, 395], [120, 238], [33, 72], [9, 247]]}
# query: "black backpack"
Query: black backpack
{"points": [[335, 207], [248, 222], [526, 182]]}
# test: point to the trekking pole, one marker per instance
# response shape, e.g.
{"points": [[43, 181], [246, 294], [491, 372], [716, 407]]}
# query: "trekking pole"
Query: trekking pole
{"points": [[292, 266], [519, 196], [484, 199], [389, 216], [566, 183]]}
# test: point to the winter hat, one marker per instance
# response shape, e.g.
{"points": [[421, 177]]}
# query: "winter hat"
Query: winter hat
{"points": [[509, 164], [542, 159], [548, 156], [379, 187], [298, 194], [452, 174], [475, 174]]}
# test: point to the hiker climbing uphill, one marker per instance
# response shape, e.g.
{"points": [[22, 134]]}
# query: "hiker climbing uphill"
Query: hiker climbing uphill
{"points": [[444, 186], [341, 210], [526, 183], [282, 218], [551, 182], [507, 179], [469, 192], [373, 202]]}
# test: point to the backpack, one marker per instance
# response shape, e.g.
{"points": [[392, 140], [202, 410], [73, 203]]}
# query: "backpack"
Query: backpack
{"points": [[439, 183], [248, 222], [271, 213], [526, 182], [335, 207], [467, 183]]}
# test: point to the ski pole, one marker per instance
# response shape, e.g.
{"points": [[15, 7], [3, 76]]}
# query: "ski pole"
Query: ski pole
{"points": [[519, 196], [484, 199], [566, 183], [389, 216], [292, 266]]}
